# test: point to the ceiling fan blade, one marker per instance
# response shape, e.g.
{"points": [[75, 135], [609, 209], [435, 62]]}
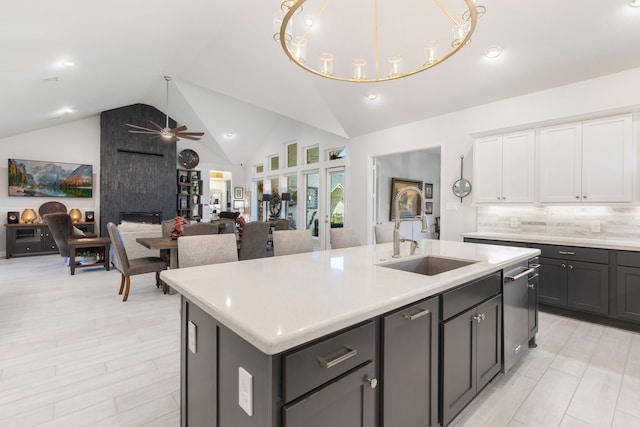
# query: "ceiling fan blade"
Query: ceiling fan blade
{"points": [[140, 127], [191, 133], [146, 132], [192, 138], [156, 125], [179, 129]]}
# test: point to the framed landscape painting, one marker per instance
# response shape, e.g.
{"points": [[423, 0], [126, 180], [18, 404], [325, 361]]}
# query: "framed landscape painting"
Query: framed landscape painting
{"points": [[409, 202], [34, 178]]}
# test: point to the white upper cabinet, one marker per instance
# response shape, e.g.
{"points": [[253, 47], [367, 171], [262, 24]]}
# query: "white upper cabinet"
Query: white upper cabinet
{"points": [[503, 168], [589, 162]]}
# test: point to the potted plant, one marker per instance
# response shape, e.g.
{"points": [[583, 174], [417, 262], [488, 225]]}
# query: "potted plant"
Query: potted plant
{"points": [[88, 257]]}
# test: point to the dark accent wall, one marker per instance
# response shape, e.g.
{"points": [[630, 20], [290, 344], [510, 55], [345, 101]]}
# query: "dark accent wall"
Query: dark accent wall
{"points": [[137, 171]]}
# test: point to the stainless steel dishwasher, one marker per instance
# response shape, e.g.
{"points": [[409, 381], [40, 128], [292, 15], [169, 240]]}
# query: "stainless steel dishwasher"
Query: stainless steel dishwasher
{"points": [[515, 294]]}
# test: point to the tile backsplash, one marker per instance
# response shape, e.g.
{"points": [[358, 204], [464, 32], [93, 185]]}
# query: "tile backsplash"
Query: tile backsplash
{"points": [[588, 222]]}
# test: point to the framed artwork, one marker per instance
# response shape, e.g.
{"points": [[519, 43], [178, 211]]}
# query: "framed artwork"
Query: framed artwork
{"points": [[409, 202], [312, 197], [238, 204], [428, 191], [33, 178], [238, 193], [428, 207]]}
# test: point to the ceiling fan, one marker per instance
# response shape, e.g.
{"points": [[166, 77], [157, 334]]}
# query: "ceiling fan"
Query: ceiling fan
{"points": [[167, 133]]}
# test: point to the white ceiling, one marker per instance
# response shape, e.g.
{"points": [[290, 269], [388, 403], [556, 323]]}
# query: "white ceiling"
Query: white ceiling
{"points": [[229, 75]]}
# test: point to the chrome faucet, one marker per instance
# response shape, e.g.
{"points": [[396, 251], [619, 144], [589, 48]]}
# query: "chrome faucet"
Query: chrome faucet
{"points": [[396, 230]]}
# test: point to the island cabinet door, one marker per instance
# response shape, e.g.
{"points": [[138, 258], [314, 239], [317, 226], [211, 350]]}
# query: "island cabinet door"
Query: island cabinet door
{"points": [[199, 390], [588, 286], [458, 366], [409, 392], [348, 401], [489, 345]]}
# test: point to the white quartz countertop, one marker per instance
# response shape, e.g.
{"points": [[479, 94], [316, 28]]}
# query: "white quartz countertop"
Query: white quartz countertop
{"points": [[623, 245], [278, 303]]}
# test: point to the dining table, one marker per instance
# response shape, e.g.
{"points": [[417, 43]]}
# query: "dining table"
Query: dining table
{"points": [[160, 243]]}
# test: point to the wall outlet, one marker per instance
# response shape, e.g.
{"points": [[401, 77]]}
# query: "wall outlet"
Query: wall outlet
{"points": [[595, 226], [514, 222], [245, 391], [191, 337]]}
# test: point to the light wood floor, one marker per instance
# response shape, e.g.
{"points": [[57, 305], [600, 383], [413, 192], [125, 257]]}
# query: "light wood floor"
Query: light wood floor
{"points": [[72, 354]]}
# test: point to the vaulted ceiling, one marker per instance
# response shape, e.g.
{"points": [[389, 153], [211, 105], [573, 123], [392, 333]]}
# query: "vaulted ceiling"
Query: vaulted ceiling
{"points": [[230, 76]]}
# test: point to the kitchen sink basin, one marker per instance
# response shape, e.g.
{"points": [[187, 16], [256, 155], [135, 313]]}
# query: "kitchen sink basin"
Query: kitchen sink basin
{"points": [[429, 265]]}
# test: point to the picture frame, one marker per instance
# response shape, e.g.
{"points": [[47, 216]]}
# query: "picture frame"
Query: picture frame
{"points": [[409, 203], [428, 208], [238, 193], [428, 191], [238, 204], [35, 178]]}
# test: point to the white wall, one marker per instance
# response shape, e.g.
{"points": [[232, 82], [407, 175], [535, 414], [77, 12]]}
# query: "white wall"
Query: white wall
{"points": [[75, 142], [454, 132]]}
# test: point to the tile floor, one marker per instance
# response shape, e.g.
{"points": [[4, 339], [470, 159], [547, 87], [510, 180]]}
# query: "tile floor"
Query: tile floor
{"points": [[72, 354]]}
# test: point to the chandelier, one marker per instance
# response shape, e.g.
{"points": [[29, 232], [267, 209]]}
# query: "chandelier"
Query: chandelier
{"points": [[373, 40]]}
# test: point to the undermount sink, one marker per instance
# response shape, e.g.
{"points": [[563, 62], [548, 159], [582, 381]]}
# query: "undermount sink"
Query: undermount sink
{"points": [[429, 265]]}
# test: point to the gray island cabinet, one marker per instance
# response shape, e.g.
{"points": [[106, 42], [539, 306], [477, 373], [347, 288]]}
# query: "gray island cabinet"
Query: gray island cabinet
{"points": [[336, 338]]}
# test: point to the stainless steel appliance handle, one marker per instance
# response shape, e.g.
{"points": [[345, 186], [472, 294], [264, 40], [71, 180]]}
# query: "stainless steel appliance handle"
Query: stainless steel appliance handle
{"points": [[534, 265], [518, 276]]}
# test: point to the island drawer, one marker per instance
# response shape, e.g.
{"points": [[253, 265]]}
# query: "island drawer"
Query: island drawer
{"points": [[312, 366], [459, 299], [600, 256]]}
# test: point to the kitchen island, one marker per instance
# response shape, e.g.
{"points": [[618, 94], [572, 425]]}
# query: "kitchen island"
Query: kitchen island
{"points": [[255, 331]]}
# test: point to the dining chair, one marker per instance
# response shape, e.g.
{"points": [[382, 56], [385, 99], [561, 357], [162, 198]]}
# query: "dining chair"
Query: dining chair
{"points": [[384, 233], [200, 228], [206, 249], [343, 238], [62, 230], [288, 242], [281, 224], [131, 267], [253, 244]]}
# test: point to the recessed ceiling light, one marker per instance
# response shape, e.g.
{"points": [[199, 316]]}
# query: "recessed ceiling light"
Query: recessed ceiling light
{"points": [[67, 64], [308, 22], [229, 134], [493, 52], [372, 96], [634, 3], [63, 111]]}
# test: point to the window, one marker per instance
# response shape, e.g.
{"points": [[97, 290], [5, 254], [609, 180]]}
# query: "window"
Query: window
{"points": [[336, 153], [313, 155], [292, 155], [275, 163], [259, 168]]}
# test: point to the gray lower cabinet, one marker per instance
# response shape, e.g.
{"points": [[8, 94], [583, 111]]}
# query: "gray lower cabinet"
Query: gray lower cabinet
{"points": [[409, 372], [578, 285], [471, 344], [628, 285], [348, 401]]}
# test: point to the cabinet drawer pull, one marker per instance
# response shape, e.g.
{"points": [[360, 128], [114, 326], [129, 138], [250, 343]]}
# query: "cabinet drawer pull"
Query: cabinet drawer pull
{"points": [[563, 266], [331, 363], [570, 267], [531, 285], [418, 315], [566, 253]]}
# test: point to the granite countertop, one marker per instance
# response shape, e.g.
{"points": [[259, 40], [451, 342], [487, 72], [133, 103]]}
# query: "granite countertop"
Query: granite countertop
{"points": [[623, 245], [278, 303]]}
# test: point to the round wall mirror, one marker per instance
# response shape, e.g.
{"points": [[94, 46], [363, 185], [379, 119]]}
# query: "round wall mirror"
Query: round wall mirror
{"points": [[461, 188]]}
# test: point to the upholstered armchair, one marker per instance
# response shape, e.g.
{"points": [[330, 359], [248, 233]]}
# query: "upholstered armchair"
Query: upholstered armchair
{"points": [[62, 230]]}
